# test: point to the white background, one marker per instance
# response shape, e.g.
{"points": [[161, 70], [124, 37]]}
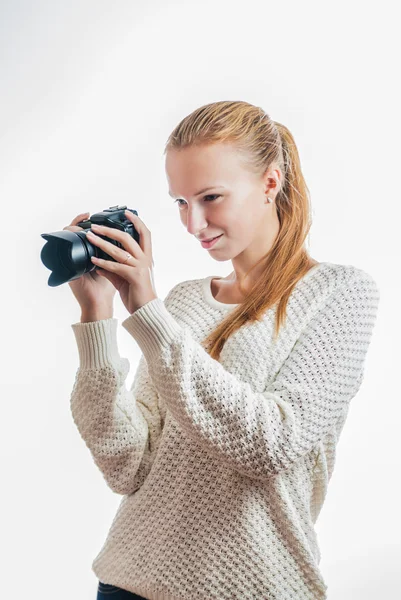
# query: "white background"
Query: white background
{"points": [[90, 91]]}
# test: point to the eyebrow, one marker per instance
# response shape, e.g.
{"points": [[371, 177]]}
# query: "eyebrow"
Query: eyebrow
{"points": [[202, 191]]}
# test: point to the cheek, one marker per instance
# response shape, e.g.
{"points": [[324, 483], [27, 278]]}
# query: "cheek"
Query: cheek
{"points": [[242, 215], [238, 224]]}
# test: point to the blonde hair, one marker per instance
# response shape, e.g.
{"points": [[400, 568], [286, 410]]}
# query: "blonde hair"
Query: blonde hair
{"points": [[260, 142]]}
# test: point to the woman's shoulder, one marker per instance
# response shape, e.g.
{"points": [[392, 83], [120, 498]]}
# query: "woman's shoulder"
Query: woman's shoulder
{"points": [[343, 274], [346, 284], [327, 282], [180, 291]]}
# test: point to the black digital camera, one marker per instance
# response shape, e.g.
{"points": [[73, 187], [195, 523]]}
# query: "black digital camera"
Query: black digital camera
{"points": [[68, 253]]}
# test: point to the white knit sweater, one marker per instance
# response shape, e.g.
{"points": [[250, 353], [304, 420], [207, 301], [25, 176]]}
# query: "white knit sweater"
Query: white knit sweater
{"points": [[223, 465]]}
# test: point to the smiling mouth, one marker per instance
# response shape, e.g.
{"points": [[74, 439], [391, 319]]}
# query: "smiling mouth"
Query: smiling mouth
{"points": [[210, 239], [211, 243]]}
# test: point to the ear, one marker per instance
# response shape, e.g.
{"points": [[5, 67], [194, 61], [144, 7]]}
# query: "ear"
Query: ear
{"points": [[272, 179]]}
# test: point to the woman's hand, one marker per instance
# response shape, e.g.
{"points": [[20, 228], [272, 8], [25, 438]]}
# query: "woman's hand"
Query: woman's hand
{"points": [[132, 274], [94, 293]]}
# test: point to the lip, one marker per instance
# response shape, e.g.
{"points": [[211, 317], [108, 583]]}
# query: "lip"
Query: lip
{"points": [[211, 243]]}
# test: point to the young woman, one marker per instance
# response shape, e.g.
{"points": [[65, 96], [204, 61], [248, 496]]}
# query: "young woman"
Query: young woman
{"points": [[224, 446]]}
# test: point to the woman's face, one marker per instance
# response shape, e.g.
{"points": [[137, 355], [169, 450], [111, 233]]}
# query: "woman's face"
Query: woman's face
{"points": [[234, 206]]}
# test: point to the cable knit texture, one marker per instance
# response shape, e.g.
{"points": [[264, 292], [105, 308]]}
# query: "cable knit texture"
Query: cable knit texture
{"points": [[223, 466]]}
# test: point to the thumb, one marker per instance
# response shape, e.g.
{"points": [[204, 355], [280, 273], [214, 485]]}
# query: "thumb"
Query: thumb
{"points": [[114, 279]]}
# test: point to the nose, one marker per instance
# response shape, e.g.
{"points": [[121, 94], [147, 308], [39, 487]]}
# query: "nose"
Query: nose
{"points": [[195, 220]]}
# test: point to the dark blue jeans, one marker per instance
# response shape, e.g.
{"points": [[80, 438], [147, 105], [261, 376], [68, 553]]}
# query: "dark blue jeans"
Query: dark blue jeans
{"points": [[105, 591]]}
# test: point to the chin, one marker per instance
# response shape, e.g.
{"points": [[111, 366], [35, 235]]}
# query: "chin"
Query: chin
{"points": [[221, 258]]}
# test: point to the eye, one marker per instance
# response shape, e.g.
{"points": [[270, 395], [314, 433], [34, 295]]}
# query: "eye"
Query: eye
{"points": [[214, 196]]}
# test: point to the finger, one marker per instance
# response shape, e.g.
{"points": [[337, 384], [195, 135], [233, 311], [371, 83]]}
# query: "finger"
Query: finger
{"points": [[112, 250], [127, 242], [78, 218], [71, 228], [145, 237], [121, 270]]}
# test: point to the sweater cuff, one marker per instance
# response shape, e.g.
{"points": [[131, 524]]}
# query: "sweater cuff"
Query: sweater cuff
{"points": [[153, 327], [97, 343]]}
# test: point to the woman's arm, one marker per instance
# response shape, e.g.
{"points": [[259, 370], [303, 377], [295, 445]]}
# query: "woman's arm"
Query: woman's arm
{"points": [[121, 427], [262, 434]]}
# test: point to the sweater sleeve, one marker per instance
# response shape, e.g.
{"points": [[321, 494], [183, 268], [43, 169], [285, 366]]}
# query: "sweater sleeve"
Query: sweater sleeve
{"points": [[262, 434], [121, 427]]}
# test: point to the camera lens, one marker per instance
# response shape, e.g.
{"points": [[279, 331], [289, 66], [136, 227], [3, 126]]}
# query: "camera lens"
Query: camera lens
{"points": [[68, 255]]}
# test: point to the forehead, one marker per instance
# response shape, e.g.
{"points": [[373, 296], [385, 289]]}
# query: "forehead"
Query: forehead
{"points": [[199, 166]]}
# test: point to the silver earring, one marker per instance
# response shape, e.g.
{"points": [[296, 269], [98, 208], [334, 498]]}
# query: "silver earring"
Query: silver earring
{"points": [[269, 199]]}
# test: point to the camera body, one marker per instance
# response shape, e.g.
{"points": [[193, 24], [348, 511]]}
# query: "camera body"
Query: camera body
{"points": [[111, 217], [68, 254]]}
